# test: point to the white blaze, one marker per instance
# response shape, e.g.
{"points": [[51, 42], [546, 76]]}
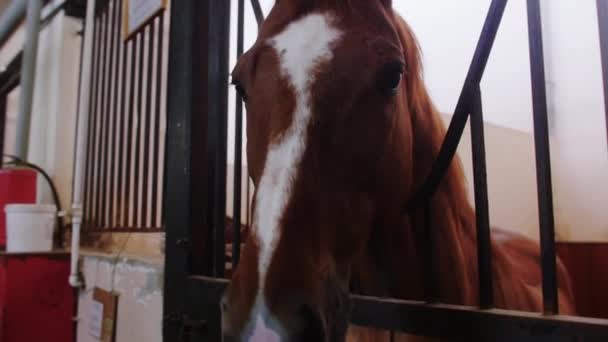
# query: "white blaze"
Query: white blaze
{"points": [[302, 46]]}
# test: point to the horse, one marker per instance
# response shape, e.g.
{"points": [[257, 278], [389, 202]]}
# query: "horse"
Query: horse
{"points": [[341, 132]]}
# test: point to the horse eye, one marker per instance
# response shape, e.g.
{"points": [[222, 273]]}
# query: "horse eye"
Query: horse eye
{"points": [[240, 89], [390, 77]]}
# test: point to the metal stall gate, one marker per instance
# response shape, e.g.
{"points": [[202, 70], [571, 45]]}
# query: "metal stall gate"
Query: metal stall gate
{"points": [[124, 171], [195, 195]]}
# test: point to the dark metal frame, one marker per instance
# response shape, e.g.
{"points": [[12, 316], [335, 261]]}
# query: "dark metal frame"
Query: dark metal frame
{"points": [[195, 194], [9, 80], [602, 15]]}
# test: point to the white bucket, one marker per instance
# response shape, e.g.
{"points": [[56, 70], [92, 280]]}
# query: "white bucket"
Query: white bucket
{"points": [[30, 227]]}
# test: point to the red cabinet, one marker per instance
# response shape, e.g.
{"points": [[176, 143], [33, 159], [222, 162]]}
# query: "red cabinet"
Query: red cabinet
{"points": [[36, 301]]}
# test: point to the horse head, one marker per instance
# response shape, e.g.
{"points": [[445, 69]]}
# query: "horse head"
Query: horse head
{"points": [[333, 92]]}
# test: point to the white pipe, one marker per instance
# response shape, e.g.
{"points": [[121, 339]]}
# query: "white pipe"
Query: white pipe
{"points": [[81, 142]]}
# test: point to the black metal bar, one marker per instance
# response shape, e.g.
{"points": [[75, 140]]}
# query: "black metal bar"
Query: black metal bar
{"points": [[122, 142], [459, 120], [219, 29], [120, 229], [187, 162], [450, 322], [484, 247], [134, 43], [257, 11], [177, 205], [157, 117], [137, 194], [543, 159], [429, 268], [116, 43], [10, 77], [2, 125], [88, 190], [602, 17], [107, 98], [238, 147], [147, 130], [101, 122]]}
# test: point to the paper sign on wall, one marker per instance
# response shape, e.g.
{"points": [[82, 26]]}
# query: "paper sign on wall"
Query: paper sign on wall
{"points": [[102, 316], [96, 319], [138, 12]]}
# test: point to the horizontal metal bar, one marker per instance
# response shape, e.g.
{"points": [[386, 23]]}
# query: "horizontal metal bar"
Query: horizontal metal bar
{"points": [[124, 230], [447, 321], [471, 324]]}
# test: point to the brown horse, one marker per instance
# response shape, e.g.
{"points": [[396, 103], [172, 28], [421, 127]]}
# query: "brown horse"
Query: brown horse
{"points": [[341, 132]]}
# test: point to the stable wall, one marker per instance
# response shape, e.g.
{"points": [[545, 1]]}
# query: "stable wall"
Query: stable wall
{"points": [[139, 285], [53, 121]]}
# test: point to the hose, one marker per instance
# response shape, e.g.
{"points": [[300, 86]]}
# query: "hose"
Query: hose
{"points": [[18, 162]]}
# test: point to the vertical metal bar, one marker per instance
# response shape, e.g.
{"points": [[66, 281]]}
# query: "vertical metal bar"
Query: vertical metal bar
{"points": [[116, 43], [91, 160], [140, 117], [186, 206], [602, 16], [474, 75], [484, 247], [122, 142], [257, 11], [101, 120], [129, 144], [238, 147], [107, 112], [543, 159], [147, 130], [218, 124], [2, 125], [28, 75], [157, 117], [429, 270]]}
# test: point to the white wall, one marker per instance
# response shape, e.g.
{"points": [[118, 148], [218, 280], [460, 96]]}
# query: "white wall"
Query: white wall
{"points": [[575, 99], [580, 155], [52, 135], [140, 302], [448, 32], [51, 143]]}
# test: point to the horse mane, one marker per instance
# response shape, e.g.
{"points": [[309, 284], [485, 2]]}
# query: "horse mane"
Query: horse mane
{"points": [[453, 218]]}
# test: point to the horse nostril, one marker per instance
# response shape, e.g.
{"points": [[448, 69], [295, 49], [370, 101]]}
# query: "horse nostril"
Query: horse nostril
{"points": [[312, 328]]}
